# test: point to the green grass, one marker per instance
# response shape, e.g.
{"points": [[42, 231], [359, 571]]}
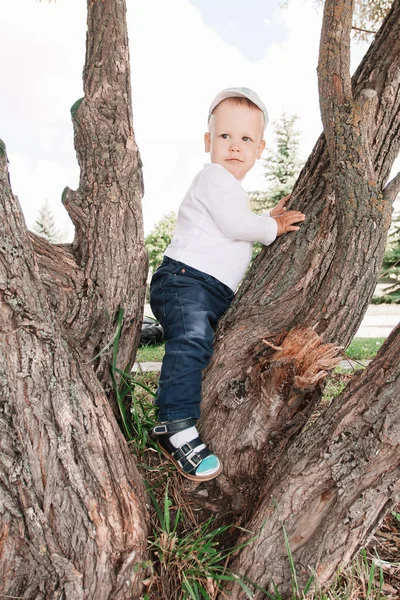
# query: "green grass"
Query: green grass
{"points": [[359, 349], [189, 563], [364, 348], [335, 385], [150, 353]]}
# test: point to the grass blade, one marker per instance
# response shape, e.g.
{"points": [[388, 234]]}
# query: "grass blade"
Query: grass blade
{"points": [[370, 578]]}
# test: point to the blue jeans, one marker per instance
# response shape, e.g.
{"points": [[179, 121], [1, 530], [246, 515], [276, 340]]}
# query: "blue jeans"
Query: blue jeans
{"points": [[188, 303]]}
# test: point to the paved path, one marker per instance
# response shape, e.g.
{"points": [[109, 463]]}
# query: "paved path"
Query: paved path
{"points": [[379, 320]]}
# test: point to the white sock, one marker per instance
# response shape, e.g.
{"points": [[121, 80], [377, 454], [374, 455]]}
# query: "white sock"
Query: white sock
{"points": [[186, 435]]}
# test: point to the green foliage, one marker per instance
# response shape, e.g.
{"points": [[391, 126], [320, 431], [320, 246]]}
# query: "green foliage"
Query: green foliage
{"points": [[75, 107], [157, 241], [367, 16], [391, 267], [335, 385], [3, 150], [281, 164], [137, 410], [45, 225]]}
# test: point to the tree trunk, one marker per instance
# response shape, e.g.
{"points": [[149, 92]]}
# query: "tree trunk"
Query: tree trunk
{"points": [[73, 515], [334, 486], [71, 500], [310, 289]]}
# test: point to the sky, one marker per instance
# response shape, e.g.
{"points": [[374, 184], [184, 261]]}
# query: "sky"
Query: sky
{"points": [[183, 52]]}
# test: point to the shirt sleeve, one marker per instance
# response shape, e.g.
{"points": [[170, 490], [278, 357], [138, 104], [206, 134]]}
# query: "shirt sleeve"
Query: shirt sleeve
{"points": [[226, 201]]}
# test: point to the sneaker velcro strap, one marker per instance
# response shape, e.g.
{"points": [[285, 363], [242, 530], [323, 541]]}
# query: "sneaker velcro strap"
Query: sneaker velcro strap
{"points": [[171, 427], [195, 459], [190, 464], [186, 449]]}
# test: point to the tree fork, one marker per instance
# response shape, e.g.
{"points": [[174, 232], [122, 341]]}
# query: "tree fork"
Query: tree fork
{"points": [[322, 277]]}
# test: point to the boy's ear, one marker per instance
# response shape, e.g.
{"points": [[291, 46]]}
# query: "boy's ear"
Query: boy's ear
{"points": [[261, 148], [207, 142]]}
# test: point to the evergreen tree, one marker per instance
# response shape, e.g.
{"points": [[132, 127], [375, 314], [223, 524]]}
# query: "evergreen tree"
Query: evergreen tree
{"points": [[157, 241], [45, 224], [282, 166]]}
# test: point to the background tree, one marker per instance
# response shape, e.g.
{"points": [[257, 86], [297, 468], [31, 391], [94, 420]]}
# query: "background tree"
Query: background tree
{"points": [[281, 164], [391, 267], [45, 225], [281, 168], [369, 16], [159, 238]]}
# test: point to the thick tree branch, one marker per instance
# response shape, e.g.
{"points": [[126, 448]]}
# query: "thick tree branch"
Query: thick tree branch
{"points": [[110, 259], [334, 56], [321, 278], [62, 278], [346, 122]]}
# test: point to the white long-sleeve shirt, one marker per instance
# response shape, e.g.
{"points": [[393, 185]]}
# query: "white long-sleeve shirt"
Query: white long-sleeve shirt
{"points": [[215, 228]]}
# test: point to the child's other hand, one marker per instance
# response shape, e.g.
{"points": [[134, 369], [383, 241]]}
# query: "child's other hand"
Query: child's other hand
{"points": [[285, 221], [280, 208]]}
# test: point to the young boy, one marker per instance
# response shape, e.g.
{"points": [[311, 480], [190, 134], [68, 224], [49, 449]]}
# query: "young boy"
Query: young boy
{"points": [[209, 253]]}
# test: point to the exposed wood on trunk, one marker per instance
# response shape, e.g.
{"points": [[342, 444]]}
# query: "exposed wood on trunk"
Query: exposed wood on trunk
{"points": [[323, 276], [71, 500], [283, 380], [335, 484]]}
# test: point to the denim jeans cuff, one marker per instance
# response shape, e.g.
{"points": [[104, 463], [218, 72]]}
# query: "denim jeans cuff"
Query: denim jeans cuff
{"points": [[176, 415]]}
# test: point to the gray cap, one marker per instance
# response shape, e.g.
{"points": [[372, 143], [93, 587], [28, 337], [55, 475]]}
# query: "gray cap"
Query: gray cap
{"points": [[239, 92]]}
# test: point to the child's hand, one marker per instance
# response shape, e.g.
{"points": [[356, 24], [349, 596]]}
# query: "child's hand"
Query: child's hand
{"points": [[285, 221], [280, 208]]}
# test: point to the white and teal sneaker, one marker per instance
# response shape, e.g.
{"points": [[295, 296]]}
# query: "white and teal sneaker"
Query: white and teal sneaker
{"points": [[179, 441]]}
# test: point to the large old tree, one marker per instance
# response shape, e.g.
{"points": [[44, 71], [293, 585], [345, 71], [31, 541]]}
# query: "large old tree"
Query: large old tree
{"points": [[73, 513]]}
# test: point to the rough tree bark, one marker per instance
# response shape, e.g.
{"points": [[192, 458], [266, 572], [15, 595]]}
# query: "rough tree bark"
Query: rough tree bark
{"points": [[335, 484], [71, 500], [310, 289], [73, 517], [302, 298], [105, 269]]}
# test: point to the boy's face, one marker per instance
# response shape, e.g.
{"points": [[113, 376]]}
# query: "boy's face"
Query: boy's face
{"points": [[235, 137]]}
